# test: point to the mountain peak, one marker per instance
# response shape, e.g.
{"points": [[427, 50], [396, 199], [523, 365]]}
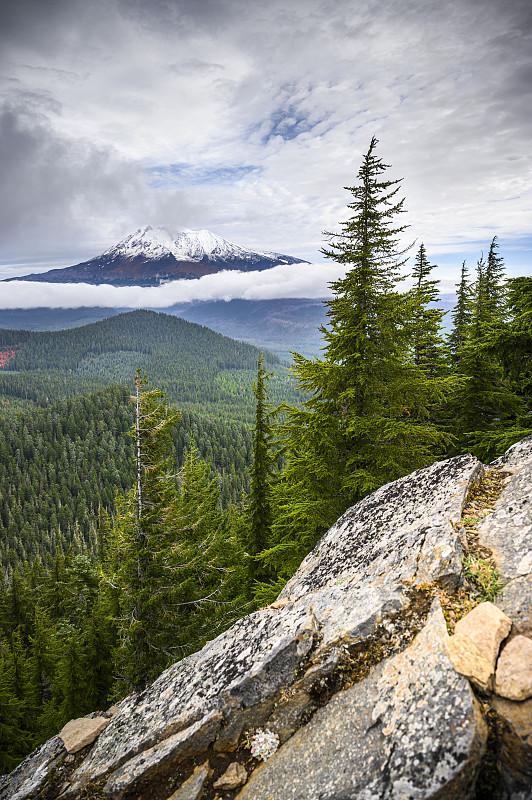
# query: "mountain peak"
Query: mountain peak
{"points": [[154, 255], [187, 245]]}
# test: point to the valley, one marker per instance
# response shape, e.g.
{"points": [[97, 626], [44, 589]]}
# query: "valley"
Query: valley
{"points": [[65, 406]]}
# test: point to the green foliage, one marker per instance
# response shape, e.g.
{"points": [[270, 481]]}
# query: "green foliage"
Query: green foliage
{"points": [[426, 319], [490, 407], [461, 317], [256, 527], [367, 417], [484, 576], [15, 739], [173, 551], [62, 467], [199, 370]]}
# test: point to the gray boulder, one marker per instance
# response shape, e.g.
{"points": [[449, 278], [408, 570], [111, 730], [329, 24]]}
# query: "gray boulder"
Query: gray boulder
{"points": [[507, 532]]}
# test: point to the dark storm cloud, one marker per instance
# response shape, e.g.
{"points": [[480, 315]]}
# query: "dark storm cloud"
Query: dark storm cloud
{"points": [[42, 26], [49, 177], [206, 14]]}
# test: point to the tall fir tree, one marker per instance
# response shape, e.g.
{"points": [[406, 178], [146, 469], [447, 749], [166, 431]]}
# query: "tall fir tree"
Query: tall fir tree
{"points": [[480, 316], [257, 521], [366, 419], [461, 317], [141, 533], [173, 552], [494, 288], [427, 342]]}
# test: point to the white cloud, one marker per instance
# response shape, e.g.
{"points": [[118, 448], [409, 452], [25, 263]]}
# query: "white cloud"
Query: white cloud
{"points": [[294, 280]]}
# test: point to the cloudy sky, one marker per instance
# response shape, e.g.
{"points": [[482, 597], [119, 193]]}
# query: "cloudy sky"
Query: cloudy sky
{"points": [[248, 118]]}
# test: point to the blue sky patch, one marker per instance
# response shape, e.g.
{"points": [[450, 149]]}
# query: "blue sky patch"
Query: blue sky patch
{"points": [[182, 175]]}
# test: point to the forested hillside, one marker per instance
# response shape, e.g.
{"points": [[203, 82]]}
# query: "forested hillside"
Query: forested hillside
{"points": [[61, 465], [200, 370]]}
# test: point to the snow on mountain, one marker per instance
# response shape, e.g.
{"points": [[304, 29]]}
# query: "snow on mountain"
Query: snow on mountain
{"points": [[158, 243], [152, 256]]}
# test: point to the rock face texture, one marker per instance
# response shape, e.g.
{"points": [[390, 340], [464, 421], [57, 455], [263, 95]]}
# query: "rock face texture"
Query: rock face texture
{"points": [[377, 739], [508, 531], [362, 709]]}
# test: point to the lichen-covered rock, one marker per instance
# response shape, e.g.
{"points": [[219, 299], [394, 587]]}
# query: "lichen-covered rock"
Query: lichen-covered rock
{"points": [[517, 456], [507, 532], [410, 729], [142, 767], [474, 647], [513, 678], [516, 602], [35, 770], [402, 532], [248, 663]]}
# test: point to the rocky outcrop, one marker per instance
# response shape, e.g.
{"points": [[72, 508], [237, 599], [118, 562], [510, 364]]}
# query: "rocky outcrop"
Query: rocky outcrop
{"points": [[508, 531], [362, 707], [387, 736]]}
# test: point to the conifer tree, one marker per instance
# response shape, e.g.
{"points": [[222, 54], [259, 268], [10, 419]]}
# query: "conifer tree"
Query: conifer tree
{"points": [[205, 558], [511, 345], [480, 315], [15, 739], [258, 518], [41, 662], [461, 317], [173, 552], [366, 420], [427, 342], [141, 538], [484, 403], [494, 289]]}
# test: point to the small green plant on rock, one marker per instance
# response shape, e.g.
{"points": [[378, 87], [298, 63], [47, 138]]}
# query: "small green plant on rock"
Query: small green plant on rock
{"points": [[484, 575]]}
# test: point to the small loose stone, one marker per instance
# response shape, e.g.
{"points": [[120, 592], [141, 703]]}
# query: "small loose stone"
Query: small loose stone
{"points": [[513, 678]]}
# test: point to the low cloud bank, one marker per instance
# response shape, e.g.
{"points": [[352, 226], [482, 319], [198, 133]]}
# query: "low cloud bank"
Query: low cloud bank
{"points": [[293, 280]]}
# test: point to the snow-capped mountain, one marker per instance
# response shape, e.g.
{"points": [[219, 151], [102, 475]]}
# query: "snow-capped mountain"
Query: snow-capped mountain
{"points": [[151, 256]]}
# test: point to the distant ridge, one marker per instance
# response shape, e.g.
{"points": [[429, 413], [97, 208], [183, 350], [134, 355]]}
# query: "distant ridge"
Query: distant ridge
{"points": [[152, 256]]}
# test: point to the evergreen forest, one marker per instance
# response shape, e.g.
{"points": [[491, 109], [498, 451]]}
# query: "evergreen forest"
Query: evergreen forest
{"points": [[159, 480]]}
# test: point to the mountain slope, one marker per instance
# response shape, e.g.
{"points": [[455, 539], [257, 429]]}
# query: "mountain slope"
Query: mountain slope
{"points": [[199, 369], [151, 256]]}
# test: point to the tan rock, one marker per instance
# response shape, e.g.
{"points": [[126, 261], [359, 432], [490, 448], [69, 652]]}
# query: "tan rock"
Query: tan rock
{"points": [[234, 776], [192, 788], [474, 647], [280, 603], [513, 678], [78, 733]]}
